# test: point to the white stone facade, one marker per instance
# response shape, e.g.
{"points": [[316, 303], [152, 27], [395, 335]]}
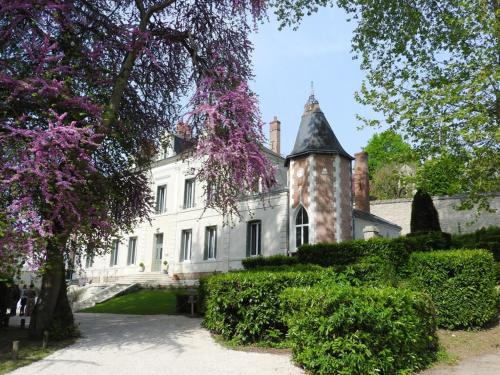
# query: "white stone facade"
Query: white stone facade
{"points": [[315, 182], [231, 240]]}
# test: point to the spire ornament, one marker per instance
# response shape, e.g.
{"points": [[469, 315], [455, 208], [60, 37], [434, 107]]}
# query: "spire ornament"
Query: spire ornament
{"points": [[312, 99]]}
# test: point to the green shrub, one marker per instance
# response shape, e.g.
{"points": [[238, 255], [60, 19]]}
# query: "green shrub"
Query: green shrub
{"points": [[390, 254], [461, 284], [374, 270], [270, 261], [424, 216], [484, 238], [244, 306], [333, 254], [349, 330]]}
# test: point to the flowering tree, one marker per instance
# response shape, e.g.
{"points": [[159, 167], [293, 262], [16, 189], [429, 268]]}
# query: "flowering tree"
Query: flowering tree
{"points": [[88, 89]]}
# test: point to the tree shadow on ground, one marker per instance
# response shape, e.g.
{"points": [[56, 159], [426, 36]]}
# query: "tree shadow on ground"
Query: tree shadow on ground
{"points": [[119, 331]]}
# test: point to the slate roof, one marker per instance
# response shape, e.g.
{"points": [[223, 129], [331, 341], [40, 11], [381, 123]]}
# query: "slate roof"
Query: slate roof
{"points": [[315, 135], [180, 144]]}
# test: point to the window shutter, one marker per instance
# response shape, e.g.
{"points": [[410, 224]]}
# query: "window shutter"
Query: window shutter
{"points": [[248, 239], [260, 238], [215, 244], [164, 208], [192, 192], [207, 238], [181, 253]]}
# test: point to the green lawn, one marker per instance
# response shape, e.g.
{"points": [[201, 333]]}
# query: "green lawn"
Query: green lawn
{"points": [[142, 302]]}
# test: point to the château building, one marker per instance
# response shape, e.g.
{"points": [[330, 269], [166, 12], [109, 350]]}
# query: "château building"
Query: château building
{"points": [[318, 198]]}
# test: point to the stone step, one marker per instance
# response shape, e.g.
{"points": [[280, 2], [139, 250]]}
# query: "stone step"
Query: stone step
{"points": [[104, 295]]}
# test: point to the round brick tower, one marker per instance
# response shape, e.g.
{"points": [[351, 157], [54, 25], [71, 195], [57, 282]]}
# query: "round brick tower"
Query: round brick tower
{"points": [[320, 182]]}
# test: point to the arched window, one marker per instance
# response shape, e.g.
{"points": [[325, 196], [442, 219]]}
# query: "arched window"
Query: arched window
{"points": [[301, 227]]}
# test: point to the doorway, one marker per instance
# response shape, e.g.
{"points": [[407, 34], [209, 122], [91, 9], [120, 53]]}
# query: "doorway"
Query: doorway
{"points": [[157, 253]]}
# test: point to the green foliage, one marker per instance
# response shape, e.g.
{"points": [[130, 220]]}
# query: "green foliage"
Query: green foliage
{"points": [[424, 216], [393, 180], [244, 306], [348, 330], [441, 175], [484, 238], [436, 83], [335, 254], [461, 284], [270, 261], [375, 259], [386, 148], [497, 272]]}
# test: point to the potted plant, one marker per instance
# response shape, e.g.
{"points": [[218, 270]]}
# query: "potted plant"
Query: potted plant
{"points": [[141, 267], [165, 266]]}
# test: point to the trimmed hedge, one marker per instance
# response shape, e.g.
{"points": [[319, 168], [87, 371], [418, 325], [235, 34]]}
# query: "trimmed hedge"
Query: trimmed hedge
{"points": [[244, 306], [390, 253], [270, 261], [484, 238], [461, 284], [348, 330]]}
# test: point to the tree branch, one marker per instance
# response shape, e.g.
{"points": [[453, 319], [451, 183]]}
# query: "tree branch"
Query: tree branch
{"points": [[111, 111]]}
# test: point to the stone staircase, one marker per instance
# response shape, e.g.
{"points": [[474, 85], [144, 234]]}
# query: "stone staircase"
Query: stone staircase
{"points": [[154, 279], [104, 294], [100, 292]]}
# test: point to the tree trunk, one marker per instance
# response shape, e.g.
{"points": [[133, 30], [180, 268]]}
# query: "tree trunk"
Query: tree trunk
{"points": [[4, 302], [52, 311]]}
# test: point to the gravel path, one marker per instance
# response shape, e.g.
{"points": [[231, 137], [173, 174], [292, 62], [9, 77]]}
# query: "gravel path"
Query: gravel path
{"points": [[488, 364], [157, 344]]}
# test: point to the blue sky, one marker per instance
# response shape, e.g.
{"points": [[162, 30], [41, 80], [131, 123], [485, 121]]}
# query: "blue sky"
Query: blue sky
{"points": [[285, 62]]}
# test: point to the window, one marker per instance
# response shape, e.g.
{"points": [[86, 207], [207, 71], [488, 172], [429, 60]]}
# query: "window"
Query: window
{"points": [[210, 243], [113, 259], [211, 191], [186, 245], [164, 153], [89, 261], [301, 227], [189, 193], [132, 249], [161, 193], [254, 238]]}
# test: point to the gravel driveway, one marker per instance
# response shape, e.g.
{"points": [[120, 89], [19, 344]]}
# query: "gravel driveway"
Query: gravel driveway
{"points": [[155, 344]]}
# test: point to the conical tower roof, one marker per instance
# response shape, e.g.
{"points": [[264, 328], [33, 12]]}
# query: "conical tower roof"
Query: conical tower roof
{"points": [[315, 135]]}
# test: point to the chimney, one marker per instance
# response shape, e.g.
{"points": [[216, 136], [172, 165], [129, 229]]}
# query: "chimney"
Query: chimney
{"points": [[274, 136], [361, 186], [182, 130]]}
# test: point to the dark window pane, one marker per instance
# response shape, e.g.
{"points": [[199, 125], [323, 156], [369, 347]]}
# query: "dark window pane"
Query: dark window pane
{"points": [[298, 236], [253, 246], [305, 219], [306, 234], [298, 219]]}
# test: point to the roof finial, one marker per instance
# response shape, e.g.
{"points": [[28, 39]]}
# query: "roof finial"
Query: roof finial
{"points": [[312, 100]]}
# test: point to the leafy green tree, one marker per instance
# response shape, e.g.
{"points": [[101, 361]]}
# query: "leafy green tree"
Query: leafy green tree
{"points": [[424, 216], [393, 180], [441, 176], [385, 148], [433, 71]]}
